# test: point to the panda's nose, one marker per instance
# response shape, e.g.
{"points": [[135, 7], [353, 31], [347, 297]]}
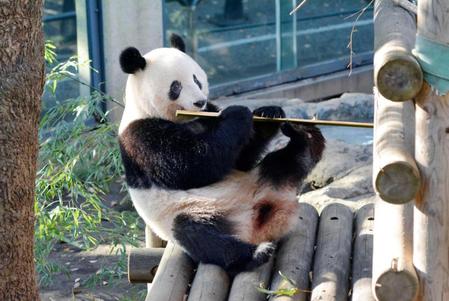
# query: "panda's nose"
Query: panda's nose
{"points": [[199, 103]]}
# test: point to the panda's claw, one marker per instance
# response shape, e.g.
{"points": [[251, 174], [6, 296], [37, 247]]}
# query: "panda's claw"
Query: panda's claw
{"points": [[269, 112]]}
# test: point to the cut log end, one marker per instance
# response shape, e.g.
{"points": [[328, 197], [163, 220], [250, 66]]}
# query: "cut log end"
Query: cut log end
{"points": [[143, 263], [397, 182], [396, 285], [399, 77]]}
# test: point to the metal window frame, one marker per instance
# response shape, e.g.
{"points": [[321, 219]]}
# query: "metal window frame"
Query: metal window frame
{"points": [[95, 43]]}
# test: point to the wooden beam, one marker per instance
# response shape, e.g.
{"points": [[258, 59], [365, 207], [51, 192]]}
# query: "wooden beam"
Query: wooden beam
{"points": [[396, 180], [173, 277], [143, 263], [211, 283], [362, 257], [294, 257], [394, 277], [395, 174], [244, 286], [397, 74], [431, 228], [332, 259], [152, 240]]}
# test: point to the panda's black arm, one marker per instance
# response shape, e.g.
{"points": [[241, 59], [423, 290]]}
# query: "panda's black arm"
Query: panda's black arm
{"points": [[173, 156], [263, 133]]}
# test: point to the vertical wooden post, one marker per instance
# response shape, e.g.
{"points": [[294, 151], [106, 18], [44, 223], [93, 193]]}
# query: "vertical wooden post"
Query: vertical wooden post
{"points": [[393, 275], [431, 229], [397, 73]]}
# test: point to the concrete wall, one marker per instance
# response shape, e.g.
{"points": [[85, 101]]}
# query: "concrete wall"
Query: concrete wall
{"points": [[137, 23], [325, 86]]}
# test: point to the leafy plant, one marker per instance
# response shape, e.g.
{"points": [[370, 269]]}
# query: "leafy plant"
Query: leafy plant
{"points": [[290, 289], [79, 160]]}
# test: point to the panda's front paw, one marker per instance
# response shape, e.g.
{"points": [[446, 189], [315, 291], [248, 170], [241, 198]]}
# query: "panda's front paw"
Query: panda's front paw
{"points": [[267, 130], [238, 123], [237, 113], [306, 135], [269, 112]]}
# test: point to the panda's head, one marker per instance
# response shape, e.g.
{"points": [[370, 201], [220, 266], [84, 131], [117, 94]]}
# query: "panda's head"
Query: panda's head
{"points": [[163, 81]]}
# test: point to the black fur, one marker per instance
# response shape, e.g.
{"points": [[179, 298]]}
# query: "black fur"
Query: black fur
{"points": [[291, 164], [131, 60], [177, 42], [197, 82], [210, 240], [175, 90], [175, 156], [263, 133]]}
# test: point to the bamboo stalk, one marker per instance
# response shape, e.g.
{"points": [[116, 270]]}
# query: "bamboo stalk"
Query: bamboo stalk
{"points": [[295, 120]]}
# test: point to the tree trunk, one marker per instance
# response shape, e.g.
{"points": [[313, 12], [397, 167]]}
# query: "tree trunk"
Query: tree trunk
{"points": [[21, 83]]}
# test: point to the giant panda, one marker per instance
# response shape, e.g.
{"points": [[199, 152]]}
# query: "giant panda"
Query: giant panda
{"points": [[202, 183]]}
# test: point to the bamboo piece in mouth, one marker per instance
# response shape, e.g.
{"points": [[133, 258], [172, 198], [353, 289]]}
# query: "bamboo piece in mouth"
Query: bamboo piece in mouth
{"points": [[295, 120]]}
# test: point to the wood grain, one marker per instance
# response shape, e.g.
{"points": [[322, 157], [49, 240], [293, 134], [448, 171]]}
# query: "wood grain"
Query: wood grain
{"points": [[362, 255], [395, 174], [332, 259], [244, 286], [143, 263], [295, 256], [431, 228], [397, 73], [173, 277], [211, 283]]}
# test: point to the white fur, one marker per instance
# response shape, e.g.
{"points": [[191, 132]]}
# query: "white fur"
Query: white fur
{"points": [[146, 92], [236, 197]]}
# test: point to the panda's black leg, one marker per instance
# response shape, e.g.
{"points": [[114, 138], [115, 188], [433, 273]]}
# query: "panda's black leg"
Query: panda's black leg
{"points": [[210, 241], [291, 164], [263, 133]]}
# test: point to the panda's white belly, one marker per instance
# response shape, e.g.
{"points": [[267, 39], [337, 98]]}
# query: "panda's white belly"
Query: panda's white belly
{"points": [[235, 197]]}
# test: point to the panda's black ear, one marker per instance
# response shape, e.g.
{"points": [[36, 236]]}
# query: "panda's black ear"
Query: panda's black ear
{"points": [[131, 60], [177, 42]]}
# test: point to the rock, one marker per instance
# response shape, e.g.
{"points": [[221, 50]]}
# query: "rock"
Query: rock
{"points": [[339, 159], [352, 185], [350, 106]]}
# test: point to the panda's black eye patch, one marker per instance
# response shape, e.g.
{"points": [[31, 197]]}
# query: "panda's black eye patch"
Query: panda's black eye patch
{"points": [[195, 79], [175, 90]]}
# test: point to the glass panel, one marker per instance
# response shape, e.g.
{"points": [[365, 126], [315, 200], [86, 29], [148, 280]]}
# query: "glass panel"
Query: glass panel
{"points": [[60, 28], [231, 39], [286, 35], [241, 39], [324, 30]]}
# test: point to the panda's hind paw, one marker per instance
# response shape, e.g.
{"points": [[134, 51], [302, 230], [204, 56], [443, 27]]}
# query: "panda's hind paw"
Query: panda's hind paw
{"points": [[263, 252]]}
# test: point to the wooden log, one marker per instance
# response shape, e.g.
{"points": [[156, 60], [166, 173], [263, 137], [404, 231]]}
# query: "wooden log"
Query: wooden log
{"points": [[396, 179], [244, 287], [143, 263], [431, 228], [211, 283], [397, 74], [394, 277], [406, 5], [395, 174], [362, 258], [173, 277], [294, 257], [152, 240], [333, 253]]}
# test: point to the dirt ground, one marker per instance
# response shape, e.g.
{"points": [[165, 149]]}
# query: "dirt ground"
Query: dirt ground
{"points": [[90, 276]]}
